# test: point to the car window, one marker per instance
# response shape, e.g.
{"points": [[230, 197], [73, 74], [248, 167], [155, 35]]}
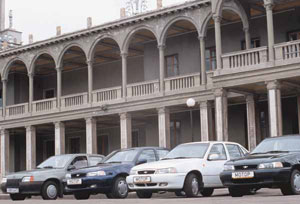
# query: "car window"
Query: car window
{"points": [[234, 151], [161, 153], [80, 162], [219, 150], [95, 160], [147, 155]]}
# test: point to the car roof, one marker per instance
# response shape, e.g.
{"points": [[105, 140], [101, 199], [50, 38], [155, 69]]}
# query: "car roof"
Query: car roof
{"points": [[142, 148], [211, 142], [284, 137], [82, 154]]}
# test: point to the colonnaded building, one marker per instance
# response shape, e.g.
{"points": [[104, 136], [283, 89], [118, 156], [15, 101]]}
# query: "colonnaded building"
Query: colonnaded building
{"points": [[126, 83]]}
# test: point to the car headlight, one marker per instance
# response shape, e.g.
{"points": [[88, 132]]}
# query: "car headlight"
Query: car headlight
{"points": [[28, 179], [272, 165], [229, 167], [166, 171], [68, 176], [133, 172], [96, 173], [4, 180]]}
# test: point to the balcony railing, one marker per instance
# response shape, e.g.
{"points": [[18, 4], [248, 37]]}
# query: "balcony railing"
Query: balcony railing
{"points": [[44, 105], [182, 82], [288, 50], [74, 100], [245, 58], [17, 110], [110, 94], [143, 89]]}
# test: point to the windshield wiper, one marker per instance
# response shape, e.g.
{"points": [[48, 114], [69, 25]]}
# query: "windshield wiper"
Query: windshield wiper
{"points": [[48, 167], [270, 152], [178, 158], [113, 162]]}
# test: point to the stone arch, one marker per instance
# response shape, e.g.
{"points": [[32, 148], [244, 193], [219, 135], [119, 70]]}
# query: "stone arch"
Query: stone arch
{"points": [[36, 57], [130, 35], [163, 35], [5, 72], [66, 48]]}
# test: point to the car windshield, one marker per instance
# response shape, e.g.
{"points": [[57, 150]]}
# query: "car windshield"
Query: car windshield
{"points": [[277, 145], [55, 162], [188, 151], [122, 156]]}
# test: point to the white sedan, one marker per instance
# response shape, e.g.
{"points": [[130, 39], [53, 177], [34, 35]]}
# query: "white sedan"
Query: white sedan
{"points": [[188, 169]]}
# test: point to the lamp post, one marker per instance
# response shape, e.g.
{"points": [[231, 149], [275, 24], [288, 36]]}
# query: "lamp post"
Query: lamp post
{"points": [[191, 103]]}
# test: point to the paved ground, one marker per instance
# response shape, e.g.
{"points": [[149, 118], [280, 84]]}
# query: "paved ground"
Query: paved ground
{"points": [[220, 197]]}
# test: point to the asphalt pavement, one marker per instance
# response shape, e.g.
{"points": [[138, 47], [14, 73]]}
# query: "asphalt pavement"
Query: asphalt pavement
{"points": [[264, 196]]}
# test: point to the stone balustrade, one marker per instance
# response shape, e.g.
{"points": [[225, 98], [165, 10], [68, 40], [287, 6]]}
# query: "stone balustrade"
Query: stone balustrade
{"points": [[182, 82], [143, 88], [106, 95]]}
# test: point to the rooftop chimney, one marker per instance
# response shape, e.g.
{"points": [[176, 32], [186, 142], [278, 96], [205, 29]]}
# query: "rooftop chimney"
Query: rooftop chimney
{"points": [[2, 15], [30, 41], [10, 19], [58, 30], [123, 12], [159, 4], [89, 22]]}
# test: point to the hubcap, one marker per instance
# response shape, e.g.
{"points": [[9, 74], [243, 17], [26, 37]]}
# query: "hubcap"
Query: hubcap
{"points": [[195, 186], [122, 187], [51, 191], [297, 182]]}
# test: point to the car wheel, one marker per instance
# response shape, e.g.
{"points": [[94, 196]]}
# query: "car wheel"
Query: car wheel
{"points": [[237, 192], [180, 193], [16, 197], [50, 191], [144, 194], [109, 195], [191, 185], [120, 188], [293, 187], [82, 196], [207, 192]]}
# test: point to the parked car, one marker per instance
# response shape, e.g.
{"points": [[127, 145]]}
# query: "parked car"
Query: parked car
{"points": [[46, 180], [109, 177], [190, 168], [274, 163]]}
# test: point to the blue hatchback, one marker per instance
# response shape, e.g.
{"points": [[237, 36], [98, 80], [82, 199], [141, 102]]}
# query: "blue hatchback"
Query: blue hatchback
{"points": [[109, 176]]}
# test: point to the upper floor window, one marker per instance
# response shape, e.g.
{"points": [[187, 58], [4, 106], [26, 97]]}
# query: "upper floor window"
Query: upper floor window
{"points": [[294, 35], [211, 61], [172, 65], [255, 42], [49, 93]]}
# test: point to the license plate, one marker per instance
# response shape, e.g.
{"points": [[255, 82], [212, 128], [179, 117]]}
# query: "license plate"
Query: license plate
{"points": [[74, 181], [142, 179], [243, 175], [12, 190]]}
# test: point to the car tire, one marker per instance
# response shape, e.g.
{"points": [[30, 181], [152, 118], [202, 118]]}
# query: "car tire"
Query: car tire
{"points": [[81, 196], [16, 197], [293, 187], [207, 192], [180, 193], [144, 194], [50, 191], [109, 195], [237, 192], [120, 188], [191, 185]]}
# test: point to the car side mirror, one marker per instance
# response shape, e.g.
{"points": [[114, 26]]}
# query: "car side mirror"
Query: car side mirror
{"points": [[71, 167], [142, 161], [213, 157]]}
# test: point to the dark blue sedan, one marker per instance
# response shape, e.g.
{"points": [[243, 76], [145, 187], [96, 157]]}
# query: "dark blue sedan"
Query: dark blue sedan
{"points": [[109, 176]]}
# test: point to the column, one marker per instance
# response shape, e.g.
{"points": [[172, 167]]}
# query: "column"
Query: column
{"points": [[31, 91], [161, 49], [164, 127], [203, 60], [217, 20], [124, 74], [221, 112], [269, 4], [4, 90], [59, 81], [4, 152], [275, 114], [251, 122], [30, 147], [59, 138], [90, 80], [247, 38], [126, 132], [206, 120], [91, 136]]}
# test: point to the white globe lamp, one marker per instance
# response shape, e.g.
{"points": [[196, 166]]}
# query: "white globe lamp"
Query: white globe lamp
{"points": [[191, 102]]}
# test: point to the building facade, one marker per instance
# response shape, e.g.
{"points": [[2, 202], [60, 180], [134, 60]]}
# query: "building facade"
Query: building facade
{"points": [[126, 83]]}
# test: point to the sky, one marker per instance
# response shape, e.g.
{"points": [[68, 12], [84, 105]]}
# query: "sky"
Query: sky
{"points": [[41, 17]]}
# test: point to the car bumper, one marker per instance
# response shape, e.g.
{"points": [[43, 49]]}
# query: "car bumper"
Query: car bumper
{"points": [[158, 182], [262, 178], [91, 185], [32, 188]]}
